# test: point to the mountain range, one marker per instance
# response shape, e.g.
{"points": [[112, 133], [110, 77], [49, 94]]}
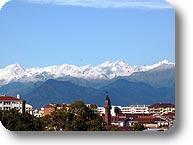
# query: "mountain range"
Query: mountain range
{"points": [[65, 83], [105, 71]]}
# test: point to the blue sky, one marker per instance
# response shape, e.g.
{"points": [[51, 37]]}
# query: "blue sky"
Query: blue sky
{"points": [[46, 32]]}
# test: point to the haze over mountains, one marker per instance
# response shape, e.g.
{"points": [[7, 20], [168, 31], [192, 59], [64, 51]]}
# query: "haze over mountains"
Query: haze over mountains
{"points": [[65, 83]]}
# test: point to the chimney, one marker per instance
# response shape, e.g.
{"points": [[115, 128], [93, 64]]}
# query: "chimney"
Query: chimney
{"points": [[18, 96]]}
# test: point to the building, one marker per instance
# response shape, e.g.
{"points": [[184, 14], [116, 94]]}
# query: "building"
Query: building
{"points": [[133, 109], [161, 108], [114, 110], [170, 117], [156, 116], [120, 120], [29, 109], [38, 113], [149, 122], [9, 102], [49, 108]]}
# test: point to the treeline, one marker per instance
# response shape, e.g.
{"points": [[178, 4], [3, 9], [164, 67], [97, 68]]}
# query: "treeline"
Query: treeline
{"points": [[78, 117]]}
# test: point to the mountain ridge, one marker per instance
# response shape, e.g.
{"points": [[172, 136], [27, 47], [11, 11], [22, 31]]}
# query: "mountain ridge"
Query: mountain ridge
{"points": [[105, 71]]}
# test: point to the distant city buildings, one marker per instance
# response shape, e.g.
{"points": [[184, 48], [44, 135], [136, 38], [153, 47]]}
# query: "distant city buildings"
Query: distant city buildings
{"points": [[155, 116]]}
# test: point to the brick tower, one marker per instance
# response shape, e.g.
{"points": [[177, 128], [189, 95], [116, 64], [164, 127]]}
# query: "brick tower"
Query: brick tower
{"points": [[107, 107]]}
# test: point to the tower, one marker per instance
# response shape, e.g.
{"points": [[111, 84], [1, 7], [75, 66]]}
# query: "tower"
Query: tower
{"points": [[107, 107]]}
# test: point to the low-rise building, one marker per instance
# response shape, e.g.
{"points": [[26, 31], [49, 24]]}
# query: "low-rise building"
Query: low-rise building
{"points": [[38, 113], [149, 122], [49, 108], [29, 109], [133, 109], [10, 102], [161, 108]]}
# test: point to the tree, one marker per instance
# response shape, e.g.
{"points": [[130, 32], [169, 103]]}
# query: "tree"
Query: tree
{"points": [[111, 128], [139, 127], [84, 118], [78, 117], [56, 120], [15, 121]]}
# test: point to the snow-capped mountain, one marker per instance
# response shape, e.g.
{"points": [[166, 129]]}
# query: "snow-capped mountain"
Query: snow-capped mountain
{"points": [[104, 71]]}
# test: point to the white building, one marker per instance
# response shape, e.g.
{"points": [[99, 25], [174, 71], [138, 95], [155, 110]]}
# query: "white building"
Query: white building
{"points": [[162, 108], [29, 109], [38, 113], [113, 110], [9, 102], [133, 109]]}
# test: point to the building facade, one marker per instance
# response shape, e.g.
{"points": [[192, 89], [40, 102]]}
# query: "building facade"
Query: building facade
{"points": [[9, 102], [161, 108]]}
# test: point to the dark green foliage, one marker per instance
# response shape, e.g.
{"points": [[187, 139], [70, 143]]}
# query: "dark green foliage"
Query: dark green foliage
{"points": [[139, 127], [15, 121], [78, 117], [111, 128]]}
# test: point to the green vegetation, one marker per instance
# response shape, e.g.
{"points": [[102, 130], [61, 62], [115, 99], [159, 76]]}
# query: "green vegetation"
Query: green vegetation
{"points": [[15, 121], [139, 127], [78, 117]]}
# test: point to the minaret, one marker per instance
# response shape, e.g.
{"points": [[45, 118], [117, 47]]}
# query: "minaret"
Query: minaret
{"points": [[107, 107]]}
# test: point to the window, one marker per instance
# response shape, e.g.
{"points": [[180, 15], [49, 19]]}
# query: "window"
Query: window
{"points": [[6, 103]]}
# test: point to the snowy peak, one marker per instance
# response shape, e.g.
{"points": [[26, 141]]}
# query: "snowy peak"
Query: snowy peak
{"points": [[113, 64], [14, 67], [165, 64], [104, 71]]}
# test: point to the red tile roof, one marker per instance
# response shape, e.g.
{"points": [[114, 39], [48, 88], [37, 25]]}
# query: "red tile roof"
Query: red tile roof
{"points": [[55, 105], [146, 117], [9, 98], [124, 115], [145, 120], [62, 105], [170, 114], [162, 105], [123, 119], [50, 106]]}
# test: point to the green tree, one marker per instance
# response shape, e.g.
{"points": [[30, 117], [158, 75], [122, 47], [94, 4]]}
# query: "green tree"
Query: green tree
{"points": [[78, 117], [139, 127], [84, 118], [56, 120], [111, 128], [15, 121]]}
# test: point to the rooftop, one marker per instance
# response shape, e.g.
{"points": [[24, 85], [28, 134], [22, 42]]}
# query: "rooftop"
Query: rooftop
{"points": [[162, 105], [9, 98]]}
